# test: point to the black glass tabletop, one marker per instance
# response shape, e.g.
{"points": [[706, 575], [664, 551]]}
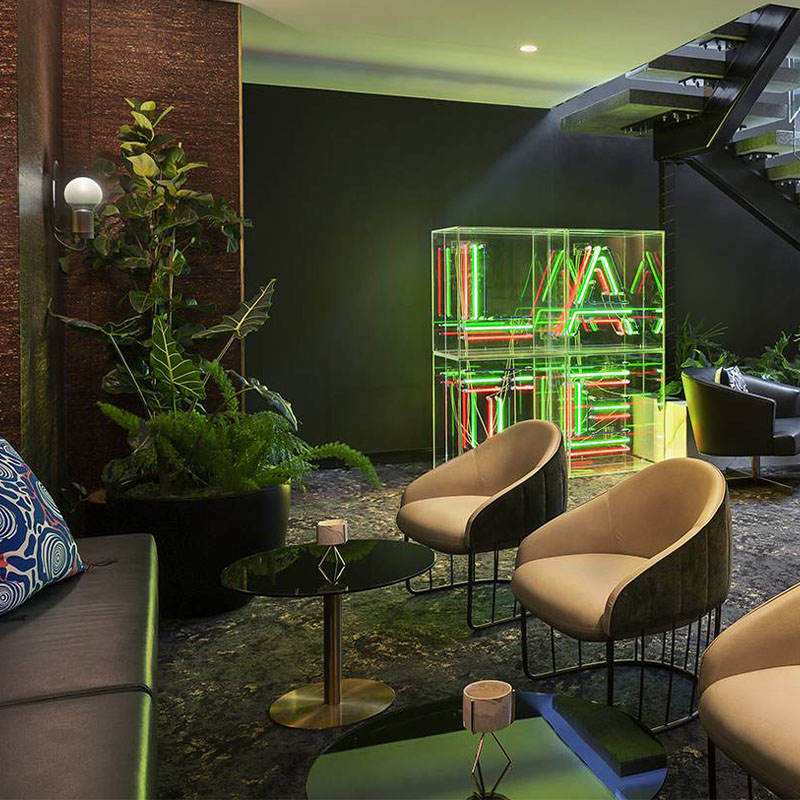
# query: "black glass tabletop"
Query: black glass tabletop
{"points": [[295, 571], [561, 747]]}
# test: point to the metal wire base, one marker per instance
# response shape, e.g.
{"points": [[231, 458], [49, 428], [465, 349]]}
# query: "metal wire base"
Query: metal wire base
{"points": [[712, 773], [756, 481], [754, 478], [667, 662], [470, 584]]}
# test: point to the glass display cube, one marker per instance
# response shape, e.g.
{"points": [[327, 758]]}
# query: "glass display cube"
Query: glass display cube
{"points": [[556, 324]]}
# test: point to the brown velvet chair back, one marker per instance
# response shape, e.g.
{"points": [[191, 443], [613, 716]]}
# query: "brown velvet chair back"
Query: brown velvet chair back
{"points": [[524, 469], [676, 514]]}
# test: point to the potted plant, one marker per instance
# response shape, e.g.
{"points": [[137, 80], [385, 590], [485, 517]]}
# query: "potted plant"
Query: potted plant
{"points": [[209, 480]]}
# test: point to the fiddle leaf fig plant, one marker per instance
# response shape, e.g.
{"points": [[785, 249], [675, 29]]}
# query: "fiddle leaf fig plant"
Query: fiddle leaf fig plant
{"points": [[152, 226]]}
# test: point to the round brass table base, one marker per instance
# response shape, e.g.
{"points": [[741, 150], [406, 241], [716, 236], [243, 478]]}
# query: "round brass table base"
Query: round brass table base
{"points": [[306, 708]]}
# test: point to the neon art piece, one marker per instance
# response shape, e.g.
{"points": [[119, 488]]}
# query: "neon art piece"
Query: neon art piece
{"points": [[564, 325]]}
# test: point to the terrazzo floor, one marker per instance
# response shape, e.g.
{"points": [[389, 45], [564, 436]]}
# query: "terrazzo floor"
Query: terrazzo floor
{"points": [[219, 675]]}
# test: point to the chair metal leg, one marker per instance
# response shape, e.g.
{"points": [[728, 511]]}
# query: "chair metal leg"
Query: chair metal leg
{"points": [[712, 770], [610, 672], [495, 581], [755, 478], [470, 584]]}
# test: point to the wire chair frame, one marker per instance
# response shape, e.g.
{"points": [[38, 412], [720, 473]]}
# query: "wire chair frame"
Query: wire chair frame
{"points": [[692, 647], [471, 583], [712, 773]]}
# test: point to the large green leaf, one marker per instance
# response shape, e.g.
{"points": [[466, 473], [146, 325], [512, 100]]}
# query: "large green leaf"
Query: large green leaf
{"points": [[163, 114], [273, 399], [249, 317], [79, 324], [170, 367], [118, 381], [140, 300], [143, 165], [125, 332]]}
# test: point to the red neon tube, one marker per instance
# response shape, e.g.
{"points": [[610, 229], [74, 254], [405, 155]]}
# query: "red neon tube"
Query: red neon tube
{"points": [[500, 337], [600, 452], [620, 382], [541, 282]]}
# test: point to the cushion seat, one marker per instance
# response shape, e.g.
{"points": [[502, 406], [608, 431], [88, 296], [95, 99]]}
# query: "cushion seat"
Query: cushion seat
{"points": [[753, 718], [786, 437], [440, 522], [97, 746], [91, 633], [571, 592]]}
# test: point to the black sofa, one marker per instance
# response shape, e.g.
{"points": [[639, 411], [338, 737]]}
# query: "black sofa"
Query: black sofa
{"points": [[764, 421], [78, 679]]}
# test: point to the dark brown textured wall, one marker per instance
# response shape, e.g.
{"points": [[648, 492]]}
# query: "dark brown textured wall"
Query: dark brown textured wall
{"points": [[39, 143], [9, 231], [183, 53]]}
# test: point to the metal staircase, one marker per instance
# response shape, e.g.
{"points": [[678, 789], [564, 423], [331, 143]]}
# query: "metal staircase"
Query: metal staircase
{"points": [[726, 104]]}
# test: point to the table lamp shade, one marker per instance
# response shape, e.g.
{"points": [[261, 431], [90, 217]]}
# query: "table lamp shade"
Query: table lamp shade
{"points": [[332, 532], [488, 706]]}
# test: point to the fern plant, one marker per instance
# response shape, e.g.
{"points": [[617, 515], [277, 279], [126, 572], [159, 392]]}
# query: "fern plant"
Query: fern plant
{"points": [[182, 439], [192, 453]]}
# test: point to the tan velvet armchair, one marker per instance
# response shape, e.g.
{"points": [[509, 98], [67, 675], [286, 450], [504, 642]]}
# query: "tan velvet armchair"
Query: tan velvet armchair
{"points": [[649, 556], [750, 695], [486, 500]]}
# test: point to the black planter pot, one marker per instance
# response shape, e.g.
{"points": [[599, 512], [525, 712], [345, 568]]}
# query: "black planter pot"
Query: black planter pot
{"points": [[197, 537]]}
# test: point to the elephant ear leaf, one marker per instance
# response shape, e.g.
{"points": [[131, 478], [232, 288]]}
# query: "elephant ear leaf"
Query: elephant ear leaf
{"points": [[170, 367], [249, 317], [274, 400]]}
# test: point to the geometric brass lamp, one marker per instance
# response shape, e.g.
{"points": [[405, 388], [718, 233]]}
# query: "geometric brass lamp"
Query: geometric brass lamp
{"points": [[332, 532], [488, 706]]}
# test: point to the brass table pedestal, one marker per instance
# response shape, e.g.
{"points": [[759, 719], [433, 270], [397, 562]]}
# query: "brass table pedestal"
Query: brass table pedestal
{"points": [[335, 701], [293, 572]]}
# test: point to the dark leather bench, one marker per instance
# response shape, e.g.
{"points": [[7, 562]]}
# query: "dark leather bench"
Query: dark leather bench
{"points": [[78, 679]]}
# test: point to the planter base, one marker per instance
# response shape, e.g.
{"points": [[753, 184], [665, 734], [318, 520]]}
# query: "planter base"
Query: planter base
{"points": [[198, 537]]}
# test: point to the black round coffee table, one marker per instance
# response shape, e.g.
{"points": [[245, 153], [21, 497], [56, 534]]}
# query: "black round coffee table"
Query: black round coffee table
{"points": [[560, 748], [295, 572]]}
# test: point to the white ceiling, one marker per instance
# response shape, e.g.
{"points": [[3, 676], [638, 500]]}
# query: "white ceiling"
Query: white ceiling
{"points": [[467, 49]]}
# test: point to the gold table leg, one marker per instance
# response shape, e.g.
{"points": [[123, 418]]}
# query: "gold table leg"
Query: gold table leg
{"points": [[336, 701]]}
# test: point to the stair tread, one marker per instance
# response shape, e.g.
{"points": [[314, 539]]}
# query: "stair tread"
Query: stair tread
{"points": [[785, 79], [785, 172], [733, 31], [680, 67], [773, 142], [628, 107], [764, 113]]}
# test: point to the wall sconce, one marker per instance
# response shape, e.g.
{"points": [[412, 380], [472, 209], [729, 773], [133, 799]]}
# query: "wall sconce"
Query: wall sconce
{"points": [[83, 195]]}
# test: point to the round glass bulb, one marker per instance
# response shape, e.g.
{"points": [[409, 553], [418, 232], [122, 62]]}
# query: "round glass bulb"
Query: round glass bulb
{"points": [[83, 193]]}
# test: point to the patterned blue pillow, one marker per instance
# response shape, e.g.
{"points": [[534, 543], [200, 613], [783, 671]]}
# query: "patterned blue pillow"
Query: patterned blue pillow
{"points": [[36, 546]]}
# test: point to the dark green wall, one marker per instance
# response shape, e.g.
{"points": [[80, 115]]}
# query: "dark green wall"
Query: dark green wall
{"points": [[344, 189]]}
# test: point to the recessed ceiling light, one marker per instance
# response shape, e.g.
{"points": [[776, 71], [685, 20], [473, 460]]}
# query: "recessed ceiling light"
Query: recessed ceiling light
{"points": [[528, 48]]}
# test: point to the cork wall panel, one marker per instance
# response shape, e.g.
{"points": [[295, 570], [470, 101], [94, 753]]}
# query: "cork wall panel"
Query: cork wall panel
{"points": [[9, 228], [39, 144], [183, 53]]}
